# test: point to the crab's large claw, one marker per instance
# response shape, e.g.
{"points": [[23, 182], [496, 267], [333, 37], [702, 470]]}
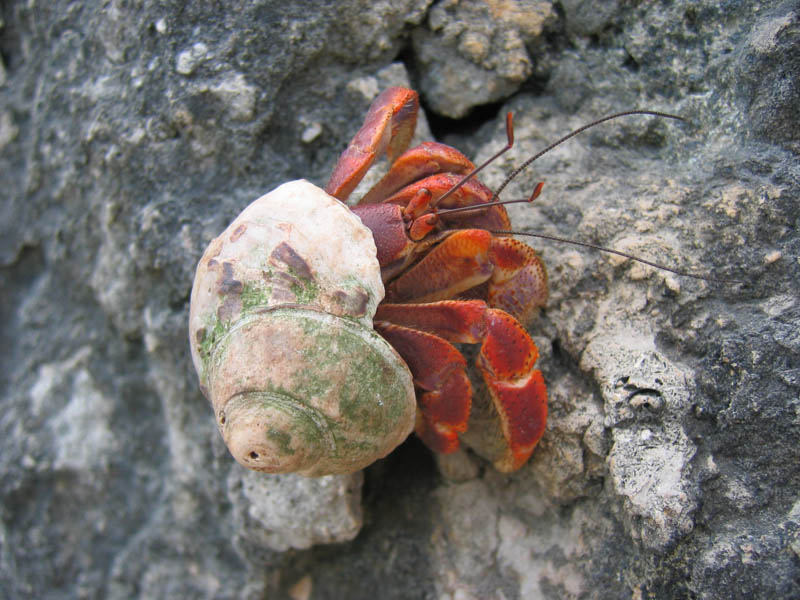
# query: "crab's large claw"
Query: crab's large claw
{"points": [[505, 272], [518, 284], [506, 361], [517, 389], [388, 127]]}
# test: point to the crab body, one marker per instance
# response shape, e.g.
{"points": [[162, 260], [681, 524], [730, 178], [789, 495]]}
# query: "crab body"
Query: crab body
{"points": [[448, 280], [322, 339]]}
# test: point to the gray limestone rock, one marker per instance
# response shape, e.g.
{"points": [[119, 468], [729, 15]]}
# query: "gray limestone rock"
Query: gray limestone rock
{"points": [[130, 135], [472, 52]]}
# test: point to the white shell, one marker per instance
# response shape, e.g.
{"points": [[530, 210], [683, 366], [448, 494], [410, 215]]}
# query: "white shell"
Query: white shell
{"points": [[281, 335]]}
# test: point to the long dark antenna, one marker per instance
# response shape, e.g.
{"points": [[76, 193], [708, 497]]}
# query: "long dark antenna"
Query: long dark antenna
{"points": [[478, 169], [554, 238], [536, 191], [519, 169], [538, 188]]}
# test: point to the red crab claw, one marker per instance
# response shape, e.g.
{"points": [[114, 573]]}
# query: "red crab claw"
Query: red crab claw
{"points": [[507, 273], [506, 362], [518, 284], [388, 126]]}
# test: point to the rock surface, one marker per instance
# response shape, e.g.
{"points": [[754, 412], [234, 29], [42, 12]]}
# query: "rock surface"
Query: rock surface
{"points": [[131, 136]]}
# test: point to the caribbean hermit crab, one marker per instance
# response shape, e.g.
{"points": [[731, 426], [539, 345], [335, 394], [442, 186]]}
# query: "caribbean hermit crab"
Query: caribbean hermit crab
{"points": [[310, 368]]}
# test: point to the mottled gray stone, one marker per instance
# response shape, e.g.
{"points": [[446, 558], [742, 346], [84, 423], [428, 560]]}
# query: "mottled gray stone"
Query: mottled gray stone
{"points": [[280, 512], [131, 136], [472, 52]]}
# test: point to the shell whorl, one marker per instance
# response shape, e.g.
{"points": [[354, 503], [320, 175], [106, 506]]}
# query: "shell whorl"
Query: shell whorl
{"points": [[282, 340]]}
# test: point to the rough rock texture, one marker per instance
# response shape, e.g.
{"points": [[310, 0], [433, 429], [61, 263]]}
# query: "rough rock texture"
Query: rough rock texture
{"points": [[130, 136], [473, 53]]}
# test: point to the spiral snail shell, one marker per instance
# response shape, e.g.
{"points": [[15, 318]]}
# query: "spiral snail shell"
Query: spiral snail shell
{"points": [[281, 337]]}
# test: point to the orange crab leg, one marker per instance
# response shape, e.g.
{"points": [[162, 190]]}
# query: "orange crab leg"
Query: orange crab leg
{"points": [[388, 126], [439, 371], [506, 362], [420, 161], [458, 321]]}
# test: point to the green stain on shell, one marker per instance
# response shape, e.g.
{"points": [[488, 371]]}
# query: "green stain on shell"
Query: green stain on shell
{"points": [[348, 377], [214, 332], [282, 439], [305, 290], [254, 295], [372, 397]]}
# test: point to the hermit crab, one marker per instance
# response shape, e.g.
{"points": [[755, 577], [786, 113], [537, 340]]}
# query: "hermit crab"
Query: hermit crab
{"points": [[322, 335]]}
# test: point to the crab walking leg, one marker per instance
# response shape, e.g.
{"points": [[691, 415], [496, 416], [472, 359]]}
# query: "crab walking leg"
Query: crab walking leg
{"points": [[388, 126], [416, 163], [506, 362], [438, 370]]}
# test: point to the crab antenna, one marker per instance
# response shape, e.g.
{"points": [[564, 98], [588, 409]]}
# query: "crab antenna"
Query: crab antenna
{"points": [[536, 191], [680, 272], [517, 171], [476, 170]]}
